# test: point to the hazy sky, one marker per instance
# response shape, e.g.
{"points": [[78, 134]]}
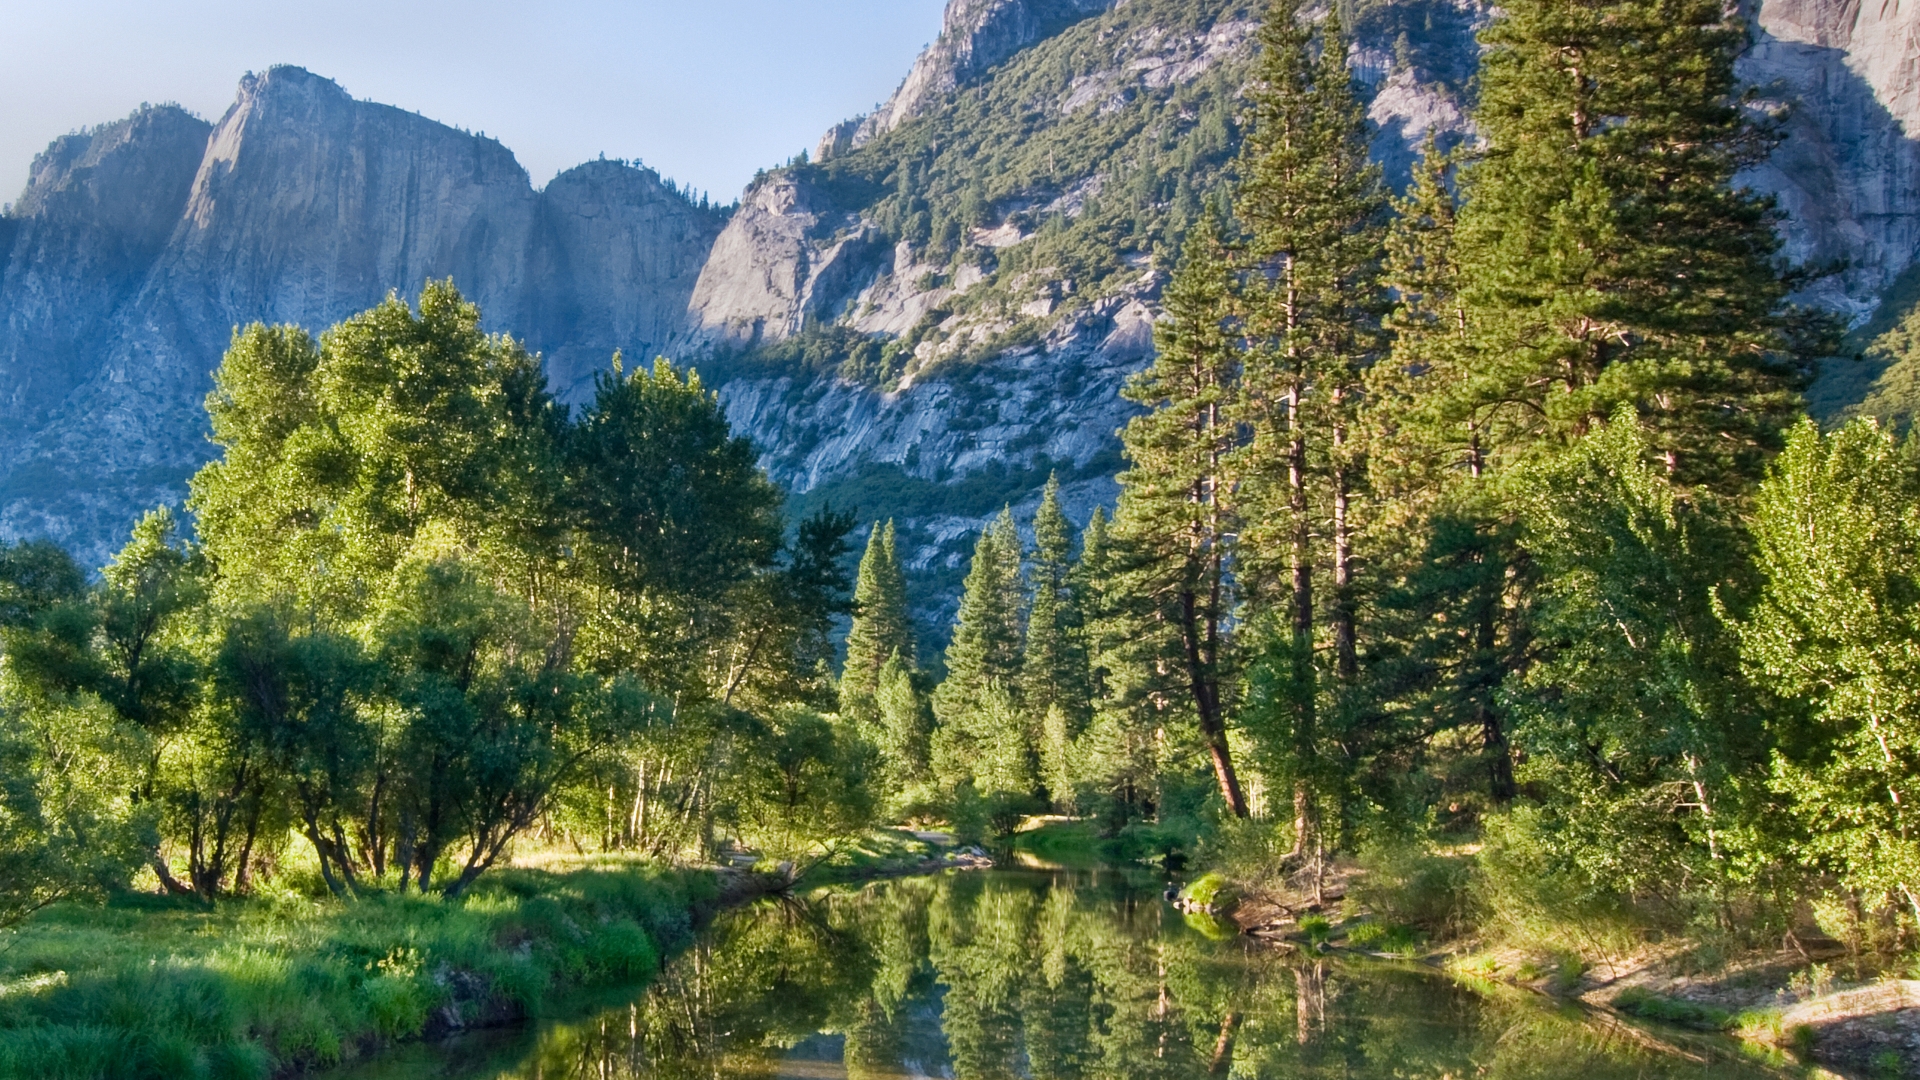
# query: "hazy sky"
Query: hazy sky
{"points": [[706, 91]]}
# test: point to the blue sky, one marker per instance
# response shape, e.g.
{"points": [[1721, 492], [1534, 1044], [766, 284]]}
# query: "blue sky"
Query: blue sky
{"points": [[706, 91]]}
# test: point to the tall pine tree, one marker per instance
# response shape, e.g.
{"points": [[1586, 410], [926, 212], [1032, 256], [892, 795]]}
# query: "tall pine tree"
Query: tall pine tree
{"points": [[1054, 672], [1606, 257], [1178, 509], [989, 633], [881, 627], [1312, 202]]}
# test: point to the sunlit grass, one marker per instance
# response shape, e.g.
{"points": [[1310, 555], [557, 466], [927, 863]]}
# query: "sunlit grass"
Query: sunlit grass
{"points": [[148, 986]]}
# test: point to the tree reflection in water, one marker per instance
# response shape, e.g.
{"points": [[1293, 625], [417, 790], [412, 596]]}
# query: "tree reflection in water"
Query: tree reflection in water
{"points": [[983, 976]]}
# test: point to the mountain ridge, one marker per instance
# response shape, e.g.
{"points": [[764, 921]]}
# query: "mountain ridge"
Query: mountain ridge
{"points": [[924, 319]]}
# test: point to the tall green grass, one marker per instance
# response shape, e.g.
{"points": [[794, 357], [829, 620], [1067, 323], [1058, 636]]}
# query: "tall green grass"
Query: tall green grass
{"points": [[147, 987]]}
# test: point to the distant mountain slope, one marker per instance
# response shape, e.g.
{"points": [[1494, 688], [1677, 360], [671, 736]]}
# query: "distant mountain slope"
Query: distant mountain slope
{"points": [[138, 247], [922, 322]]}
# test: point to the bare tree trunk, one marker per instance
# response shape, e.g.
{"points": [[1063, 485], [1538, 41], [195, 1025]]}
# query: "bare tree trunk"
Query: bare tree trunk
{"points": [[1346, 648], [1301, 559]]}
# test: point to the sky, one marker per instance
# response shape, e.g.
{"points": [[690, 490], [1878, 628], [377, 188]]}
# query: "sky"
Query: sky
{"points": [[705, 91]]}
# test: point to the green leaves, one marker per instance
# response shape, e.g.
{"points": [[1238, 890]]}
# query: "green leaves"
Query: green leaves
{"points": [[1838, 628]]}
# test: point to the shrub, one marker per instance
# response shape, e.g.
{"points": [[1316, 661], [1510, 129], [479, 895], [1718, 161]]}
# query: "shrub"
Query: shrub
{"points": [[1316, 929], [1414, 886]]}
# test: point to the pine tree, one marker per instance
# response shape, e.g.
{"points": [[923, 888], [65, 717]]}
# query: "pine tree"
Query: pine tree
{"points": [[1054, 671], [1313, 205], [1424, 430], [1178, 509], [1058, 771], [904, 725], [882, 628], [1606, 257], [988, 634]]}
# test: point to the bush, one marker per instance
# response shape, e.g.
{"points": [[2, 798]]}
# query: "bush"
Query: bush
{"points": [[1413, 886], [1529, 893], [1210, 890]]}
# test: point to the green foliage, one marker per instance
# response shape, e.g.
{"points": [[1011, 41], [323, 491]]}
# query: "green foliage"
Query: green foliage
{"points": [[1054, 670], [427, 609], [802, 778], [1177, 513], [1641, 1002], [1211, 889], [1641, 276], [261, 987], [882, 629], [1409, 885], [985, 653], [1638, 692], [1835, 631]]}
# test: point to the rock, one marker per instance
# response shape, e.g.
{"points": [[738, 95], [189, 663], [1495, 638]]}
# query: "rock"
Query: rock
{"points": [[975, 35], [137, 249]]}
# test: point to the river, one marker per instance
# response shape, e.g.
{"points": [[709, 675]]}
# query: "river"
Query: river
{"points": [[1046, 975]]}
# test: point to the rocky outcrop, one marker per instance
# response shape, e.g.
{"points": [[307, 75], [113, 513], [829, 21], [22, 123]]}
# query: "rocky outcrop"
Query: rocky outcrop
{"points": [[145, 243], [617, 254], [96, 215], [785, 256], [1846, 76], [975, 36], [138, 246]]}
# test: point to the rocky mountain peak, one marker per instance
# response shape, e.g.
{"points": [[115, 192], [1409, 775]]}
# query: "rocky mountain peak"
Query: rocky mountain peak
{"points": [[975, 36]]}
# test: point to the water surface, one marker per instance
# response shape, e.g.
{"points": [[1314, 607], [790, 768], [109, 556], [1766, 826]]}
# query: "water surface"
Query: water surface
{"points": [[1048, 976]]}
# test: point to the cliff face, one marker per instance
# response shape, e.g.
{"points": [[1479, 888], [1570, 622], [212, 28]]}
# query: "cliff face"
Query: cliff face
{"points": [[95, 216], [615, 259], [975, 36], [1848, 172], [140, 246]]}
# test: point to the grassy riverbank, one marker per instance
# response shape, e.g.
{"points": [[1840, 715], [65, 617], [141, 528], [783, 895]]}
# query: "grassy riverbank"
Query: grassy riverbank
{"points": [[148, 987]]}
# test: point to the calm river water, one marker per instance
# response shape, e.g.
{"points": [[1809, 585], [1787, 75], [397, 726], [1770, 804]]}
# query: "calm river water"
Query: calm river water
{"points": [[1044, 975]]}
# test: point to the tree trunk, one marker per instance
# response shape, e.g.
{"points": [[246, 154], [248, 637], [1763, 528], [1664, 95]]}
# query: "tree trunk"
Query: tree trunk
{"points": [[1493, 732], [1301, 560]]}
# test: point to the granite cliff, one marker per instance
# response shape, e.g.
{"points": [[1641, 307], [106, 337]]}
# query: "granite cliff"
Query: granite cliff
{"points": [[139, 246], [923, 321]]}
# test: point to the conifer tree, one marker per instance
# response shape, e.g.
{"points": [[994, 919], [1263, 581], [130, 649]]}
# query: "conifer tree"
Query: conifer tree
{"points": [[1313, 206], [1054, 671], [904, 726], [988, 633], [1057, 765], [1606, 256], [1425, 431], [1178, 501], [882, 628]]}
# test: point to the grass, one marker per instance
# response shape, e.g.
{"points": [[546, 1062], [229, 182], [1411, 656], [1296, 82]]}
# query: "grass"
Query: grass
{"points": [[1647, 1005], [1209, 890], [1391, 938], [150, 987], [880, 852]]}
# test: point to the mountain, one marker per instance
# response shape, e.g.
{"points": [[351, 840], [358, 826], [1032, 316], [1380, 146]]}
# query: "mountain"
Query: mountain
{"points": [[138, 247], [922, 321]]}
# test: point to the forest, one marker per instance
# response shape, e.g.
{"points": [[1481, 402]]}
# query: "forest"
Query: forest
{"points": [[1476, 537]]}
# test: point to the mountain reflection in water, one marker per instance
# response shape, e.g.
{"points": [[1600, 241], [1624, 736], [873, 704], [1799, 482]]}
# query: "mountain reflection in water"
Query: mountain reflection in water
{"points": [[1047, 976]]}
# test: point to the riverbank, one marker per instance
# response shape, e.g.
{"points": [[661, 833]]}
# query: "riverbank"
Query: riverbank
{"points": [[258, 987], [1794, 1003]]}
